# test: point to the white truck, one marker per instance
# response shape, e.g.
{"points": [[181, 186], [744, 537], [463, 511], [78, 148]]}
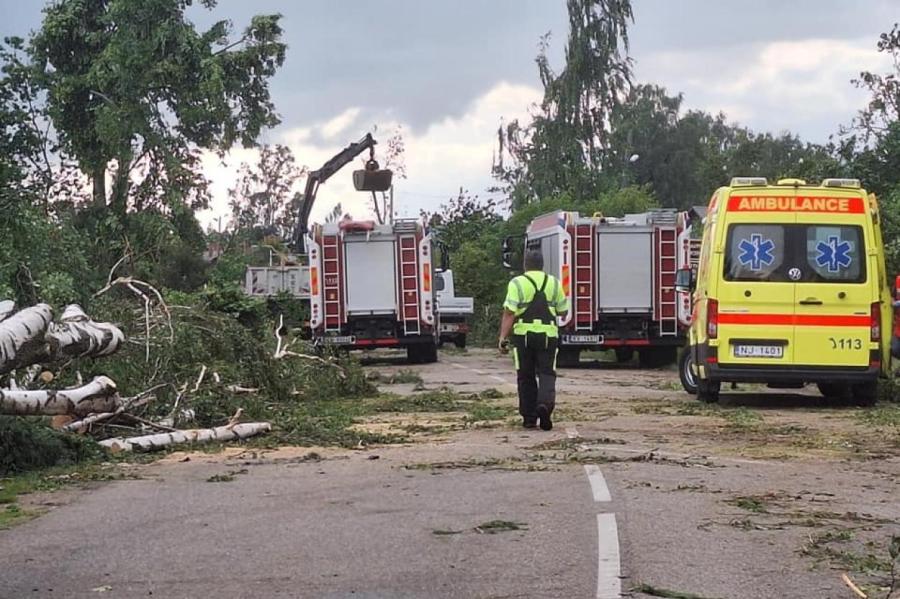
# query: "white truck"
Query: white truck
{"points": [[619, 276], [455, 312], [371, 286]]}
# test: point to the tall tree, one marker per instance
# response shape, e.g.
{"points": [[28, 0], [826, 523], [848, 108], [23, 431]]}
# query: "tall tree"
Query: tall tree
{"points": [[134, 88], [263, 197], [564, 147]]}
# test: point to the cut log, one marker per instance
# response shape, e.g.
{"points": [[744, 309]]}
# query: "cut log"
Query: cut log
{"points": [[97, 396], [153, 442], [7, 307], [22, 337]]}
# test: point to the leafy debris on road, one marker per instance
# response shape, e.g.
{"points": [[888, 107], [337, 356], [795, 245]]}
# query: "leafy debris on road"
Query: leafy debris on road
{"points": [[495, 526], [665, 593], [226, 478]]}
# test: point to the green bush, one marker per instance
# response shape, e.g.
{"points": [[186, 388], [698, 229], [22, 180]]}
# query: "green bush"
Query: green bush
{"points": [[27, 444]]}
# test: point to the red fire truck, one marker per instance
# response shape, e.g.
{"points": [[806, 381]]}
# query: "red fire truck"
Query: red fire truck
{"points": [[619, 276], [371, 286]]}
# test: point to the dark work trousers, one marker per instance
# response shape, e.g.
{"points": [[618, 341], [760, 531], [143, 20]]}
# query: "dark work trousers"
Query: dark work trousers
{"points": [[535, 359]]}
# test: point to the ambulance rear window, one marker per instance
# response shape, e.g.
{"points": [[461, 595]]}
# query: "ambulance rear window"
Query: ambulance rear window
{"points": [[802, 253]]}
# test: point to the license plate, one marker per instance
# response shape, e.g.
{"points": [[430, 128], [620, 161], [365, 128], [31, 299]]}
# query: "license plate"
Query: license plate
{"points": [[339, 340], [583, 339], [758, 351], [449, 328]]}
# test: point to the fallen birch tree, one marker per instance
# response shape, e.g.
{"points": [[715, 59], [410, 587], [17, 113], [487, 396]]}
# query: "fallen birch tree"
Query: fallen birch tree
{"points": [[77, 336], [100, 395], [22, 337], [161, 440], [7, 307]]}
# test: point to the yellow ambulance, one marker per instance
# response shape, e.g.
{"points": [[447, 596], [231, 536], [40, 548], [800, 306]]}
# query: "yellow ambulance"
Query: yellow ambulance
{"points": [[790, 289]]}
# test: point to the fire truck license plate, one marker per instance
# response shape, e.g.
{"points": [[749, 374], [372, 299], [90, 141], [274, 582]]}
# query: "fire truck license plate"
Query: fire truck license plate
{"points": [[340, 340], [587, 339], [758, 351]]}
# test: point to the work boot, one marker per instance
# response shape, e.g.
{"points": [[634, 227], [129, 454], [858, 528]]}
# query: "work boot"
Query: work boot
{"points": [[529, 422], [544, 417]]}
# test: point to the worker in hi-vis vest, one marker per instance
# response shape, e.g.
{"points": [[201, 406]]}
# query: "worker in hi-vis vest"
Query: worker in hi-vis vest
{"points": [[533, 301]]}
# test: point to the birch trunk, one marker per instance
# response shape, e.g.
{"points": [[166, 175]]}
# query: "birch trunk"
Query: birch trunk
{"points": [[97, 396], [7, 307], [158, 441], [77, 336], [22, 337]]}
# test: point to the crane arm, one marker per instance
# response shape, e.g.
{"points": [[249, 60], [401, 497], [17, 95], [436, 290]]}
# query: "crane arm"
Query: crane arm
{"points": [[317, 177]]}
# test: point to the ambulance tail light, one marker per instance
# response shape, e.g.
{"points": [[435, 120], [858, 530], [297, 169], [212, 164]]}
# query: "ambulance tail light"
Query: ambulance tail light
{"points": [[875, 319], [712, 319]]}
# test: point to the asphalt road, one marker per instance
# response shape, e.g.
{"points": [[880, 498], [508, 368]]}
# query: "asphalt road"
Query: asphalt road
{"points": [[609, 500]]}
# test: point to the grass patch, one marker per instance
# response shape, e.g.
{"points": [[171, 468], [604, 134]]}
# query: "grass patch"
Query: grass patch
{"points": [[820, 547], [30, 444], [742, 418], [751, 503], [13, 514], [883, 415]]}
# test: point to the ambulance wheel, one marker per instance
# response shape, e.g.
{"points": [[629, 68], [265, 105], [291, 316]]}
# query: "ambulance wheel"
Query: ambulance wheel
{"points": [[865, 394], [834, 390], [624, 354], [688, 378], [708, 391], [460, 341]]}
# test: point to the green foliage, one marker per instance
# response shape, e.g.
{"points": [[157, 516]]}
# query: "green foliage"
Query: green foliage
{"points": [[26, 444], [563, 148], [136, 87]]}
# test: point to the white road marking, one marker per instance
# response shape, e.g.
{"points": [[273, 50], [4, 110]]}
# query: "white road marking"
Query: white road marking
{"points": [[609, 581], [598, 483], [499, 379]]}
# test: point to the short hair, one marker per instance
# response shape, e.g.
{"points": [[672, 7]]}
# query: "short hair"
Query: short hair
{"points": [[534, 260]]}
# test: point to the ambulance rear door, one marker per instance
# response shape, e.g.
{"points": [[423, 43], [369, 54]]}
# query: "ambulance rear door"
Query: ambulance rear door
{"points": [[755, 294], [836, 288]]}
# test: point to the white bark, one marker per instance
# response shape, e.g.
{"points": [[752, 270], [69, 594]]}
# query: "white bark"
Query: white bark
{"points": [[97, 396], [77, 336], [158, 441], [22, 341], [7, 307]]}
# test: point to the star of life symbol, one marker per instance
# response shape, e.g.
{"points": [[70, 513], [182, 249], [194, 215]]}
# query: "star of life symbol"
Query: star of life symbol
{"points": [[756, 252], [834, 255]]}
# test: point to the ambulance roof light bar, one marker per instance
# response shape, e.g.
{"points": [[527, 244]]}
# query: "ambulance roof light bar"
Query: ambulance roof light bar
{"points": [[749, 182], [850, 183]]}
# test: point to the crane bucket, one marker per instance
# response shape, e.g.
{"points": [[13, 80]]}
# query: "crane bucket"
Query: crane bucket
{"points": [[373, 180]]}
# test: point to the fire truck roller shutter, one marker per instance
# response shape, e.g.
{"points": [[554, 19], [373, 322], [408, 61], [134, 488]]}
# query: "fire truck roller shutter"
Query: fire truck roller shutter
{"points": [[371, 276], [625, 270]]}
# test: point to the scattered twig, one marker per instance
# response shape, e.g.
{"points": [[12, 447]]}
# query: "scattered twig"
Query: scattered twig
{"points": [[856, 590]]}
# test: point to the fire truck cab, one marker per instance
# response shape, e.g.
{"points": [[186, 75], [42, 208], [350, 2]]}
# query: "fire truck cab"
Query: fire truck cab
{"points": [[619, 276]]}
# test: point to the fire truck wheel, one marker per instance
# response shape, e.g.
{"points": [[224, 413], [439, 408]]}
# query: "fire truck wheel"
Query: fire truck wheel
{"points": [[865, 394], [568, 358], [460, 341], [422, 353], [708, 391], [657, 357], [688, 378], [624, 354]]}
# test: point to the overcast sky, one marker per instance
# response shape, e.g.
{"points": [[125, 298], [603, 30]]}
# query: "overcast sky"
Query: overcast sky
{"points": [[446, 73]]}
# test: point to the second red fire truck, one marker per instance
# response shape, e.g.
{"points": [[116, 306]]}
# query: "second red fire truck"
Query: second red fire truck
{"points": [[619, 276]]}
